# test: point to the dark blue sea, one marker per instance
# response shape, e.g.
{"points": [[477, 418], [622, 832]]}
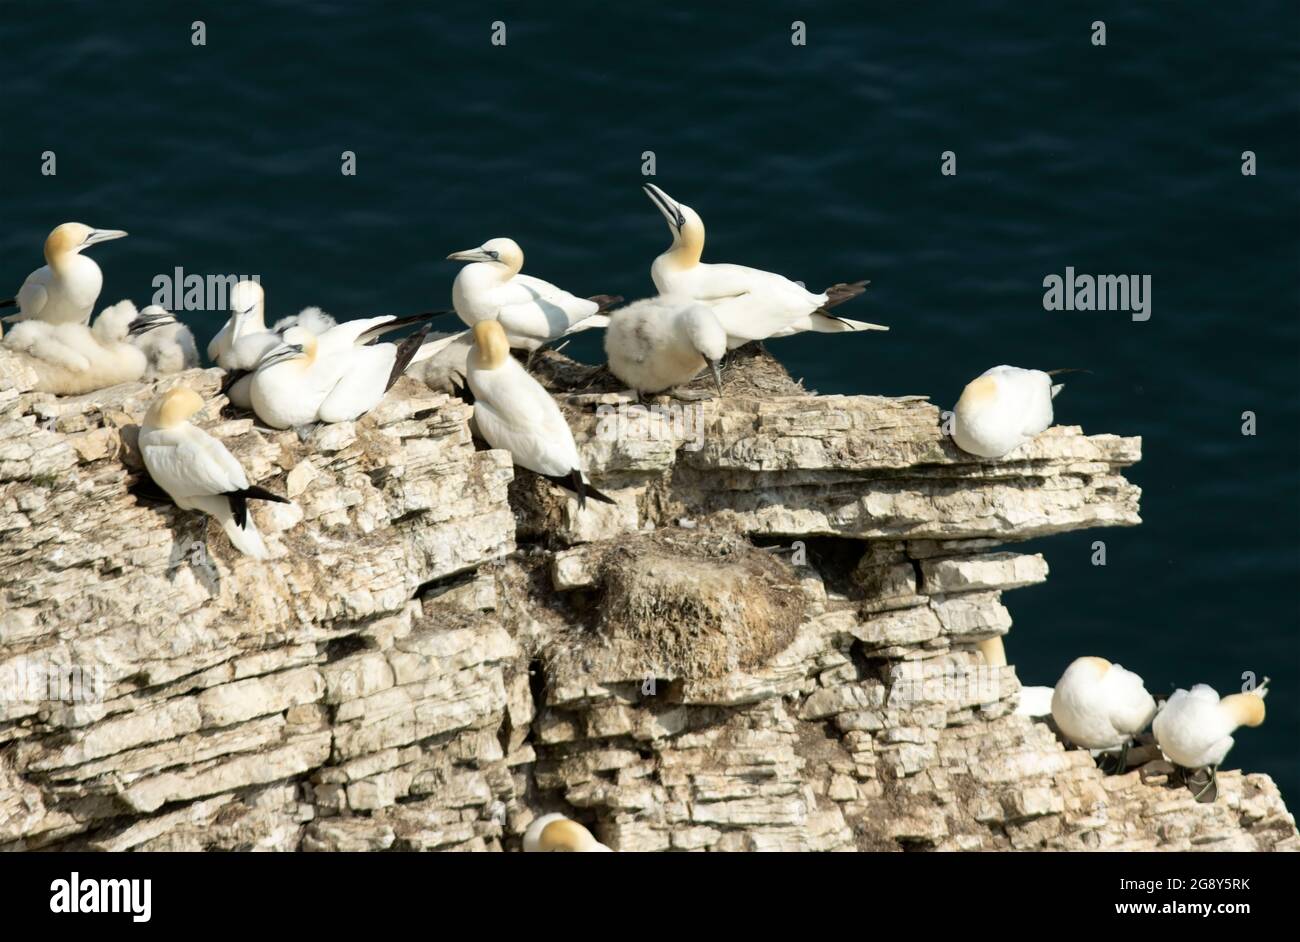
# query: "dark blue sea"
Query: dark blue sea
{"points": [[820, 161]]}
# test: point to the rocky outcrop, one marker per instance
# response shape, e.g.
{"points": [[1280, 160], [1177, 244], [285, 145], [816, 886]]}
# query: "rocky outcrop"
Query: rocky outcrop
{"points": [[770, 642]]}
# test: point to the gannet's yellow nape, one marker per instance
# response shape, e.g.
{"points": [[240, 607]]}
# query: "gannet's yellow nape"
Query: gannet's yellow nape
{"points": [[554, 833], [174, 407], [501, 252], [1245, 709], [686, 226], [70, 238], [490, 344]]}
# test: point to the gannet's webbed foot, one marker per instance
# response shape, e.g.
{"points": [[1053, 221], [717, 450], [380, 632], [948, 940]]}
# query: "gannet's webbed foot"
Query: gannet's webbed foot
{"points": [[1203, 783], [1114, 763]]}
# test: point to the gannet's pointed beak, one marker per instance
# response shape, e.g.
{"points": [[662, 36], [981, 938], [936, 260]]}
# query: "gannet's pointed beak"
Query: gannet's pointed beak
{"points": [[147, 322], [286, 351], [717, 374], [665, 205], [102, 235], [470, 255]]}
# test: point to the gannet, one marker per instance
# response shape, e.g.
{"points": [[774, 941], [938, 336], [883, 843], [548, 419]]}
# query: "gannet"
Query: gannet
{"points": [[533, 312], [1003, 408], [64, 290], [197, 471], [751, 304], [242, 340], [312, 318], [513, 412], [336, 377], [71, 359], [168, 344], [1101, 706], [1034, 701], [1194, 731], [665, 341], [556, 833]]}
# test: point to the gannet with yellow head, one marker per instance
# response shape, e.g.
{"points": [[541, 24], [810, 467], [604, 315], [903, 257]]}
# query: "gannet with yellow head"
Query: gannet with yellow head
{"points": [[555, 833], [64, 290], [197, 471], [1003, 408], [751, 304], [1194, 731], [533, 312], [513, 412], [1101, 706], [657, 343]]}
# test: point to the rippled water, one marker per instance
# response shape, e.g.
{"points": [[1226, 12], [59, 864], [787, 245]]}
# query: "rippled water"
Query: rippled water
{"points": [[821, 162]]}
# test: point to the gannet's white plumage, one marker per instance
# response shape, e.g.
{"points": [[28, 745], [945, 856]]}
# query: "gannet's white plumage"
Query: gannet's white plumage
{"points": [[71, 358], [243, 339], [1101, 706], [751, 304], [311, 318], [665, 341], [556, 833], [64, 290], [197, 471], [168, 345], [336, 377], [1194, 727], [514, 412], [1034, 701], [1001, 409], [533, 312]]}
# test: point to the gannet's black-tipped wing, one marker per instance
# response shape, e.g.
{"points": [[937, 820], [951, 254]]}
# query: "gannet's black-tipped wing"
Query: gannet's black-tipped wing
{"points": [[574, 482], [406, 351], [239, 501]]}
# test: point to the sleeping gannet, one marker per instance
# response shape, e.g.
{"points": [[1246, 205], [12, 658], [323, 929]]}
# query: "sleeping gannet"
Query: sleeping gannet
{"points": [[1003, 408], [533, 312], [1101, 706], [64, 290], [71, 358], [751, 304], [513, 412], [336, 377], [168, 344], [197, 471], [665, 341], [1194, 731], [556, 833]]}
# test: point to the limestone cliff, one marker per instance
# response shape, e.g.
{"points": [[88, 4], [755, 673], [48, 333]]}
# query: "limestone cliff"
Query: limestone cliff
{"points": [[769, 643]]}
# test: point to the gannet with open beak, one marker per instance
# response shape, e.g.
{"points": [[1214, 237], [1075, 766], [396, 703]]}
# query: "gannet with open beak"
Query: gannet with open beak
{"points": [[533, 312], [336, 377], [1101, 706], [197, 471], [556, 833], [168, 344], [70, 359], [64, 290], [751, 304], [661, 342], [1194, 731], [1003, 408], [513, 412]]}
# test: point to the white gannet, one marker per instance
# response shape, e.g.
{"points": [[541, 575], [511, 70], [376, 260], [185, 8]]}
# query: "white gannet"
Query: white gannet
{"points": [[197, 471], [64, 290], [513, 412], [312, 318], [1194, 731], [533, 312], [71, 359], [168, 344], [556, 833], [751, 304], [1101, 706], [665, 341], [242, 340], [1003, 408], [336, 377], [1034, 701]]}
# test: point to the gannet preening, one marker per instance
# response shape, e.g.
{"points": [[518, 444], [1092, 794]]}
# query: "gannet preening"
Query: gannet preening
{"points": [[1194, 731], [336, 377], [513, 412], [243, 339], [71, 358], [751, 304], [533, 312], [556, 833], [1003, 408], [168, 344], [661, 342], [64, 290], [1101, 706], [197, 471]]}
